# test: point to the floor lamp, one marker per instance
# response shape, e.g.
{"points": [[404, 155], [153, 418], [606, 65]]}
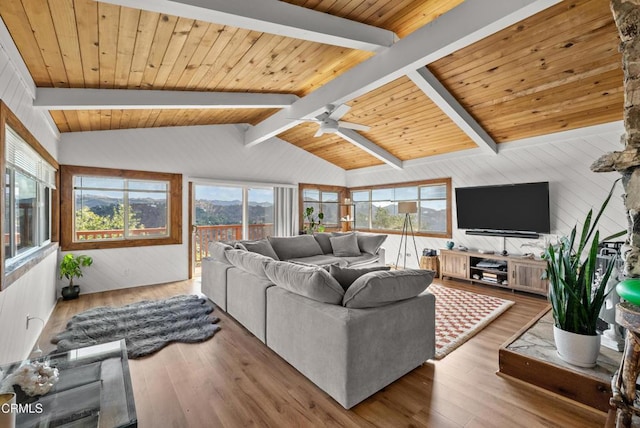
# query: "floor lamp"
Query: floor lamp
{"points": [[407, 208]]}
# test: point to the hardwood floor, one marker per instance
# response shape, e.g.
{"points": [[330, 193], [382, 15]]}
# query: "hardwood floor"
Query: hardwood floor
{"points": [[235, 380]]}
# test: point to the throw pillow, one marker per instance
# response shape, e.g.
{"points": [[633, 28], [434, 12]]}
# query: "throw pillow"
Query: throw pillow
{"points": [[218, 250], [312, 282], [252, 263], [346, 276], [370, 242], [323, 240], [381, 288], [295, 247], [345, 245], [261, 247]]}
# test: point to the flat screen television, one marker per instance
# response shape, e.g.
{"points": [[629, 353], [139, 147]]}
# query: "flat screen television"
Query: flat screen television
{"points": [[511, 209]]}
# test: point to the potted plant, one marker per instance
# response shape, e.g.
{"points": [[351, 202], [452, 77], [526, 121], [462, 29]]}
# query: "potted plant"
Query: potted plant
{"points": [[312, 224], [71, 267], [576, 293]]}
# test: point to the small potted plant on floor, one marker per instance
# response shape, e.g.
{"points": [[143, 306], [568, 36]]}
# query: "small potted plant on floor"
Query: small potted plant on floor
{"points": [[577, 291], [71, 267]]}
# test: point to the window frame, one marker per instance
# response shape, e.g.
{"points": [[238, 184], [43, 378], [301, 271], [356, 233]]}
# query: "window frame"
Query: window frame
{"points": [[30, 258], [437, 181], [342, 194], [67, 213]]}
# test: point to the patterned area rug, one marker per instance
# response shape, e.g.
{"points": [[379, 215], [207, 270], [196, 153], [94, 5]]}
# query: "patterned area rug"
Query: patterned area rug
{"points": [[147, 326], [462, 314]]}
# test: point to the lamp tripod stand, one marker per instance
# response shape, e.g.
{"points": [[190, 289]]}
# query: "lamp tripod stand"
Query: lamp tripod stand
{"points": [[407, 208]]}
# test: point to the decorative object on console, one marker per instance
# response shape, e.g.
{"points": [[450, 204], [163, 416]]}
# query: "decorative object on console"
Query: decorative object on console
{"points": [[147, 326], [575, 295], [450, 245], [407, 208], [71, 267]]}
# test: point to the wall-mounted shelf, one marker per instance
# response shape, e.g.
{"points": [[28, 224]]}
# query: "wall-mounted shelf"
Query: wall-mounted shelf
{"points": [[348, 216]]}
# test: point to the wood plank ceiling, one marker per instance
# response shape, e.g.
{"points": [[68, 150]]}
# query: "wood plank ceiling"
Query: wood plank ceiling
{"points": [[554, 71]]}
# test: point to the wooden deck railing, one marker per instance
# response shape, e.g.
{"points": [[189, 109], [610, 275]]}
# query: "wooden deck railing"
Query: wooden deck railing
{"points": [[83, 235], [229, 232], [203, 235]]}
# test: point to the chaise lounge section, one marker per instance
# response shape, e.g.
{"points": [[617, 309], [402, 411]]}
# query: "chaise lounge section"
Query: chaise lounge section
{"points": [[350, 339]]}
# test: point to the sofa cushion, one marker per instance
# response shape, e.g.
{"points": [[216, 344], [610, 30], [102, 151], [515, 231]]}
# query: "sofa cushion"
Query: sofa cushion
{"points": [[361, 260], [381, 288], [346, 276], [322, 260], [295, 246], [218, 250], [370, 242], [261, 247], [252, 263], [323, 240], [309, 281], [345, 245]]}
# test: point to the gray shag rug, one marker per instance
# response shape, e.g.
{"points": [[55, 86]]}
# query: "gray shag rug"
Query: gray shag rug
{"points": [[146, 326]]}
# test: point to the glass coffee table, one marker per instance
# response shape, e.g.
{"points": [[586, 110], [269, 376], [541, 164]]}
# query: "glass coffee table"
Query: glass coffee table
{"points": [[93, 390]]}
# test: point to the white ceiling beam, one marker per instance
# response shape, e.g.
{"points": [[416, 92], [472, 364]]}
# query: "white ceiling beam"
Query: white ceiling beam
{"points": [[435, 90], [273, 17], [126, 99], [467, 23], [373, 149]]}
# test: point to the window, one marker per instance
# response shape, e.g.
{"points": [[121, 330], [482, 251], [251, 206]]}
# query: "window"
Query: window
{"points": [[323, 199], [28, 183], [377, 207], [30, 200], [259, 213], [117, 208], [229, 213]]}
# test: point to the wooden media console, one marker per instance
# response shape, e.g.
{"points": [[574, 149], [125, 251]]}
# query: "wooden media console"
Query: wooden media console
{"points": [[513, 272]]}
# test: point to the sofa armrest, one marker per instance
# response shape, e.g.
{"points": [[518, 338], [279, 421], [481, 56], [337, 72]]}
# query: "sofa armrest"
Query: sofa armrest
{"points": [[350, 353], [214, 281], [381, 254]]}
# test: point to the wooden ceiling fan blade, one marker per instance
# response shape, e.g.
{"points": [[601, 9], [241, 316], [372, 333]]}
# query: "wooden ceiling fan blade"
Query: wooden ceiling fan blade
{"points": [[339, 111], [319, 132], [355, 126]]}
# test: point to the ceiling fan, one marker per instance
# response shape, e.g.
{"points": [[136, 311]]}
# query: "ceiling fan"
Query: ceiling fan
{"points": [[330, 122]]}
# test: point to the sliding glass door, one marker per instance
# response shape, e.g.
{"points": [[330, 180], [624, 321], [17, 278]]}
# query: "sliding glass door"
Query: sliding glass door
{"points": [[229, 213]]}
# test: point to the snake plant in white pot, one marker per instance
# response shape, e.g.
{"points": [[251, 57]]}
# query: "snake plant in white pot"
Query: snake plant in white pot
{"points": [[576, 293]]}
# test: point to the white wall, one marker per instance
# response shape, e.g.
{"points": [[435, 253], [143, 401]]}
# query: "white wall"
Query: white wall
{"points": [[35, 292], [212, 152], [563, 159]]}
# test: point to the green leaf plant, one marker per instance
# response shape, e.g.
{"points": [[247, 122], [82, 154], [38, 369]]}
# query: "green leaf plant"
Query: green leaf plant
{"points": [[71, 267], [575, 293], [311, 224]]}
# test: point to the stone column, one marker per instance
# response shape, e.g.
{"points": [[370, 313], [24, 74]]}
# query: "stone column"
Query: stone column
{"points": [[627, 17]]}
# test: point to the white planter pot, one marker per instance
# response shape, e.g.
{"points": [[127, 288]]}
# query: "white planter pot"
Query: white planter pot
{"points": [[578, 349]]}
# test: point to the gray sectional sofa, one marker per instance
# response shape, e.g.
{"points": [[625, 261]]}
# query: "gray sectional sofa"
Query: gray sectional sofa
{"points": [[350, 330]]}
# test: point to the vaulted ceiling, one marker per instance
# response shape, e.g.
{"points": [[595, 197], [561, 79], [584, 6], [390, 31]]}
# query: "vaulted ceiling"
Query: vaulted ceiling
{"points": [[551, 69]]}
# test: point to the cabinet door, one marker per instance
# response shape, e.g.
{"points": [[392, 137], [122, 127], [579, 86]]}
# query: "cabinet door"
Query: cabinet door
{"points": [[527, 276], [455, 265]]}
